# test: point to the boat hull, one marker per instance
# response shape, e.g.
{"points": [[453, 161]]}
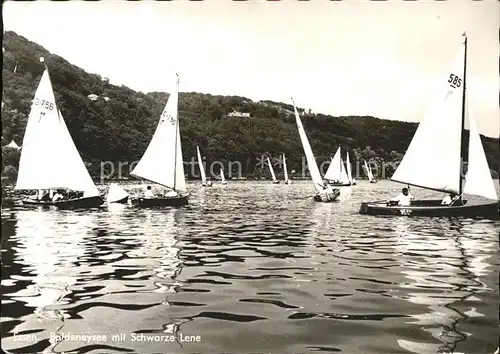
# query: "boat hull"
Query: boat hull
{"points": [[433, 208], [160, 202], [327, 196], [124, 200], [75, 203]]}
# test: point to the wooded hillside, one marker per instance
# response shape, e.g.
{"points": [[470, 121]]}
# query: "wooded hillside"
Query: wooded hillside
{"points": [[119, 123]]}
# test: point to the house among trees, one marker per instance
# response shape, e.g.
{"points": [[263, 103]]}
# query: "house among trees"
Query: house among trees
{"points": [[12, 145], [239, 114]]}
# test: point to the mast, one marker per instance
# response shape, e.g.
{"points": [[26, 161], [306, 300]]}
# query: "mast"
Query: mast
{"points": [[340, 167], [460, 185], [176, 133]]}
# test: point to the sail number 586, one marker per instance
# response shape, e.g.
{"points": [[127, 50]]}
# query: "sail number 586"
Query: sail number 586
{"points": [[454, 81], [44, 104]]}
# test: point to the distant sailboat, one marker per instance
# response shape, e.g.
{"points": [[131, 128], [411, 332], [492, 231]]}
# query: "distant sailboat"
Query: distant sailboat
{"points": [[116, 194], [287, 180], [324, 192], [369, 173], [336, 174], [162, 161], [223, 180], [433, 159], [49, 158], [352, 180], [275, 181], [204, 181]]}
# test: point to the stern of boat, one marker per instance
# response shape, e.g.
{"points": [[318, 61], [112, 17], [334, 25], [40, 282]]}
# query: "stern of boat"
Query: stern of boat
{"points": [[327, 195]]}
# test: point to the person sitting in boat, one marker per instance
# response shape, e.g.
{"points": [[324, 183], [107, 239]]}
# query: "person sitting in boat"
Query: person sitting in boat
{"points": [[171, 193], [403, 199], [449, 199], [149, 193], [57, 196]]}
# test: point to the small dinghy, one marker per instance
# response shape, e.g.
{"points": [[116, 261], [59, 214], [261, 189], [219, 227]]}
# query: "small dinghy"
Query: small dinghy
{"points": [[162, 162], [50, 163], [204, 181], [337, 175], [369, 173], [273, 176], [433, 159], [222, 178], [288, 181], [324, 193]]}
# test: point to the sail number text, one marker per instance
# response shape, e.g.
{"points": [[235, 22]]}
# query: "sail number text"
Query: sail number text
{"points": [[455, 81], [44, 104]]}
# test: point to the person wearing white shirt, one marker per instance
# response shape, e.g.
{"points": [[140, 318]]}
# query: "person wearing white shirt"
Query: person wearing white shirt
{"points": [[448, 199], [149, 193], [404, 198], [171, 193]]}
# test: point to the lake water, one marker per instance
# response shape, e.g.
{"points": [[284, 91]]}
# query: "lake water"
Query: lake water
{"points": [[249, 267]]}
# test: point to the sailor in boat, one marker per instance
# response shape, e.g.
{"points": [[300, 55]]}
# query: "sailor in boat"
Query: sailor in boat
{"points": [[403, 199], [58, 196], [449, 199], [149, 193], [171, 194], [43, 196]]}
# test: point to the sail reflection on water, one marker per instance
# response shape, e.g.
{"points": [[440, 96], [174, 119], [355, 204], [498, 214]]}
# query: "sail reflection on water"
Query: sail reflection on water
{"points": [[444, 268], [48, 245], [158, 241]]}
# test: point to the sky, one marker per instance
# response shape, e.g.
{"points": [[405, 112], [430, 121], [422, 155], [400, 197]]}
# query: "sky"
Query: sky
{"points": [[351, 57]]}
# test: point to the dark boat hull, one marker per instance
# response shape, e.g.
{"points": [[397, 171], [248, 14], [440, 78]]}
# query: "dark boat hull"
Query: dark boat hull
{"points": [[160, 202], [433, 208], [75, 203], [124, 200]]}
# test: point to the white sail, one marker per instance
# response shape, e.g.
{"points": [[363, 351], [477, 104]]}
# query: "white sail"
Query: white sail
{"points": [[478, 180], [311, 161], [200, 163], [271, 169], [115, 193], [349, 172], [49, 158], [368, 171], [433, 158], [222, 175], [162, 162], [336, 170], [284, 168]]}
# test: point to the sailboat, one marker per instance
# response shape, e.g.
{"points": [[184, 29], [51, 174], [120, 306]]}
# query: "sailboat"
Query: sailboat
{"points": [[116, 194], [204, 181], [162, 161], [49, 158], [287, 180], [275, 181], [433, 159], [336, 174], [369, 173], [223, 180], [352, 180], [324, 192]]}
